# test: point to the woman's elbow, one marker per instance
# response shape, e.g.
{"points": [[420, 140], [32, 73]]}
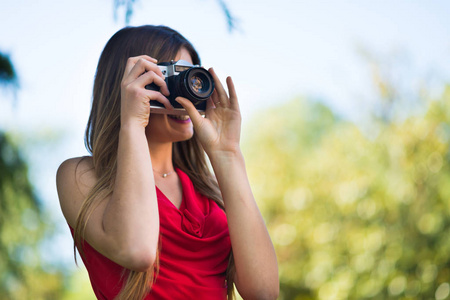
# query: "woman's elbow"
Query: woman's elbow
{"points": [[139, 259], [267, 292], [275, 293], [142, 264]]}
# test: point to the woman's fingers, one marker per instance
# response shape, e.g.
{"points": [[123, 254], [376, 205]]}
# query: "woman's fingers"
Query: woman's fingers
{"points": [[157, 96], [215, 98], [142, 66], [221, 95], [135, 68], [141, 71], [152, 77], [191, 110], [232, 92], [210, 106], [133, 60]]}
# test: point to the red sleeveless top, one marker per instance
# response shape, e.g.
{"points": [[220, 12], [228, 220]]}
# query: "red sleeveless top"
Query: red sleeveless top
{"points": [[194, 253]]}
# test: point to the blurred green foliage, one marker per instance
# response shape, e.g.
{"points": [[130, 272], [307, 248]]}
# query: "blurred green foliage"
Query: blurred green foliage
{"points": [[355, 215], [25, 226], [22, 226]]}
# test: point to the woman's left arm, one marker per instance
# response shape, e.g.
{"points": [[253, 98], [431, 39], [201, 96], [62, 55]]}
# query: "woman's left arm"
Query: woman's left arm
{"points": [[254, 255]]}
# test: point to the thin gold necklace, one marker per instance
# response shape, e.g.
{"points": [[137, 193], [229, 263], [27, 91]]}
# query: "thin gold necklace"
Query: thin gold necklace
{"points": [[163, 175]]}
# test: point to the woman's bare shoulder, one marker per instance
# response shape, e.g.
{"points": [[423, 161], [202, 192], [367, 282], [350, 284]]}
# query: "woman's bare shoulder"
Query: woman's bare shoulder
{"points": [[74, 179], [77, 170], [76, 166]]}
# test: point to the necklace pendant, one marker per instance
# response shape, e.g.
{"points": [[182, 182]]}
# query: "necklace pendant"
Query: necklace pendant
{"points": [[165, 175]]}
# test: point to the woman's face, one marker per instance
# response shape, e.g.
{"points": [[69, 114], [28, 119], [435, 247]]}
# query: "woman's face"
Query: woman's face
{"points": [[164, 128]]}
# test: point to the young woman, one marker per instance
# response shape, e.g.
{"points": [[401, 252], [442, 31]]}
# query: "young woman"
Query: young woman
{"points": [[148, 218]]}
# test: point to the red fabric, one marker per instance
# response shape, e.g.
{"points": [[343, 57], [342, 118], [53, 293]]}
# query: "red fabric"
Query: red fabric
{"points": [[195, 247]]}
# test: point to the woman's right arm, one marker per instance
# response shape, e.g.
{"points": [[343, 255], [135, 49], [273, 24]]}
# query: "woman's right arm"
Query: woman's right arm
{"points": [[125, 225]]}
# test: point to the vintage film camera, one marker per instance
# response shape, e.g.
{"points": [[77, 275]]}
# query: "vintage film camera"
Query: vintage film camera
{"points": [[183, 79]]}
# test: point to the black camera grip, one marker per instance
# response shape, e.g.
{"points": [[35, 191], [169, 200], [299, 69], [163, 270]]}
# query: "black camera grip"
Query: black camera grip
{"points": [[152, 86]]}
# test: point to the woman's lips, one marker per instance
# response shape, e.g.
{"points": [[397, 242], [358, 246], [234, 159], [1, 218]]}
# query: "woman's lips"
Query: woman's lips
{"points": [[180, 118]]}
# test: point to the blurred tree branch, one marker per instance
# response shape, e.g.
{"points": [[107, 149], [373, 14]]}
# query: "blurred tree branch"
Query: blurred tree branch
{"points": [[8, 76], [7, 73], [128, 5]]}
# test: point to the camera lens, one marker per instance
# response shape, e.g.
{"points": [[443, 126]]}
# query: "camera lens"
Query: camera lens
{"points": [[197, 84]]}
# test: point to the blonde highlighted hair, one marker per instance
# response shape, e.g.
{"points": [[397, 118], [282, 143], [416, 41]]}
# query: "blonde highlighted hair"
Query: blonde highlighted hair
{"points": [[102, 136]]}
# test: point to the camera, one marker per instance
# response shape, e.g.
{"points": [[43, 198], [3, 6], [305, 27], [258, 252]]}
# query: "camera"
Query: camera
{"points": [[186, 80]]}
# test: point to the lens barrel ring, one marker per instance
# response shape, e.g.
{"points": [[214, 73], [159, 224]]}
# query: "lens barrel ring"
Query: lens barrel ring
{"points": [[197, 83]]}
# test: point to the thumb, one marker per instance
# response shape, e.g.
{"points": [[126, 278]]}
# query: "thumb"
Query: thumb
{"points": [[191, 110]]}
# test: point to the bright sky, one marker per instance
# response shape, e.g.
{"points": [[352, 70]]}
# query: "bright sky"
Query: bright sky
{"points": [[282, 49]]}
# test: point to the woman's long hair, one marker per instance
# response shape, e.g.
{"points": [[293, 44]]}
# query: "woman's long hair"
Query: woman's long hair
{"points": [[102, 137]]}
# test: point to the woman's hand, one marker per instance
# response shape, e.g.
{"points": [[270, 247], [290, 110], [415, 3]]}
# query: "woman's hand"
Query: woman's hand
{"points": [[135, 99], [219, 132]]}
